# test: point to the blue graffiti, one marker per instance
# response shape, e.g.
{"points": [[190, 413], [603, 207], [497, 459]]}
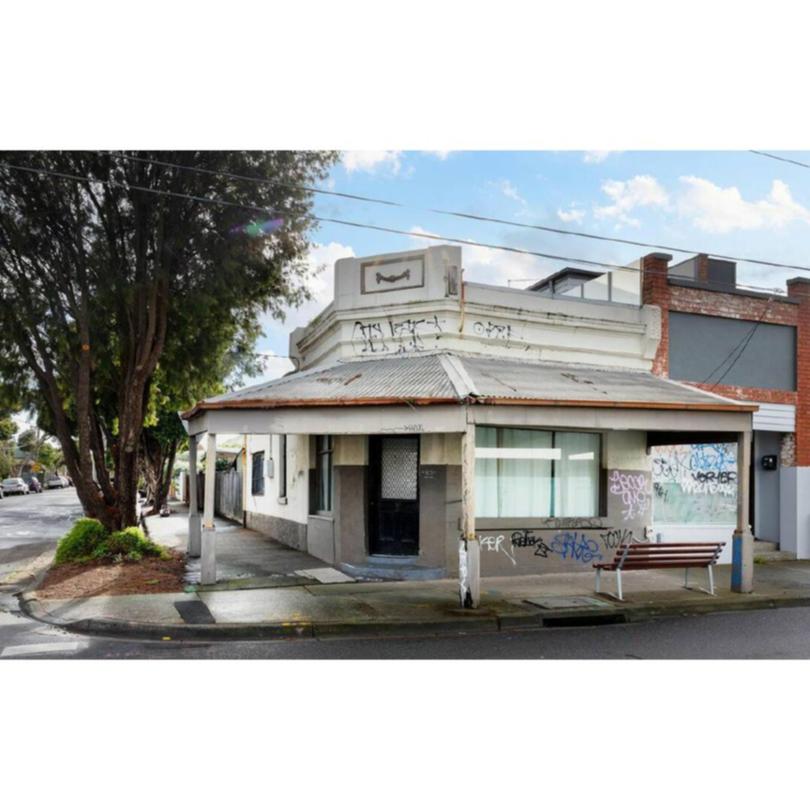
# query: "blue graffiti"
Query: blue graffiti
{"points": [[575, 546], [713, 457]]}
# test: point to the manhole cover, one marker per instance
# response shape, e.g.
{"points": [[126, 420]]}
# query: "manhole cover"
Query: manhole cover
{"points": [[566, 602]]}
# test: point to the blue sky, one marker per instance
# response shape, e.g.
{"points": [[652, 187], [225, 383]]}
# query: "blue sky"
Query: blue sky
{"points": [[735, 203]]}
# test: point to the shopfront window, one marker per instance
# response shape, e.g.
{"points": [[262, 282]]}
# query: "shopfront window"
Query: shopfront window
{"points": [[536, 473]]}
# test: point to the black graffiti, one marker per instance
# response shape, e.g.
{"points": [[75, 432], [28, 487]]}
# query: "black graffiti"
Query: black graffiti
{"points": [[497, 331], [526, 538], [724, 477], [613, 538], [410, 335], [371, 336]]}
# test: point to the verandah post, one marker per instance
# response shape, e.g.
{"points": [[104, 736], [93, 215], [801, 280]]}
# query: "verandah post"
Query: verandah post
{"points": [[193, 510], [742, 562], [208, 562], [469, 553]]}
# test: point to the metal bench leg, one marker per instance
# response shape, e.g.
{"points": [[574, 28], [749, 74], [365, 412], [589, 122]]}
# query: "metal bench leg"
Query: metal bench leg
{"points": [[619, 584], [711, 580], [598, 588], [686, 578]]}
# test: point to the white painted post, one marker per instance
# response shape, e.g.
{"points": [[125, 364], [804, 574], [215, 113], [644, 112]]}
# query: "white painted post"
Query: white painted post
{"points": [[742, 561], [208, 563], [469, 552], [193, 511]]}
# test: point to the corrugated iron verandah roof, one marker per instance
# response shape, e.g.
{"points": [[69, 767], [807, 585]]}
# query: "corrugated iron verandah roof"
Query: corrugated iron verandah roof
{"points": [[453, 377]]}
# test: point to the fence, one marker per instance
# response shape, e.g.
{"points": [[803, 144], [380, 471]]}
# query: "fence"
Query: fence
{"points": [[228, 495]]}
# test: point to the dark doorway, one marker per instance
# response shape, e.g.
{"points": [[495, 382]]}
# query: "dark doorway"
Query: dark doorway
{"points": [[393, 495]]}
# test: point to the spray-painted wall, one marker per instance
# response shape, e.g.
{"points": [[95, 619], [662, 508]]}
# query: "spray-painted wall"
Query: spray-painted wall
{"points": [[695, 483], [695, 493], [541, 546]]}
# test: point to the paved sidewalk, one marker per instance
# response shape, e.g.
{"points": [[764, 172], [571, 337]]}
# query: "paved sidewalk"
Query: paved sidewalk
{"points": [[401, 608], [243, 554]]}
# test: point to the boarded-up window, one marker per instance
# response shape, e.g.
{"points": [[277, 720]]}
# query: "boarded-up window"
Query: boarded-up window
{"points": [[704, 348]]}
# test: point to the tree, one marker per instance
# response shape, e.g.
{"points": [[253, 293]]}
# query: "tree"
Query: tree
{"points": [[108, 284], [8, 429]]}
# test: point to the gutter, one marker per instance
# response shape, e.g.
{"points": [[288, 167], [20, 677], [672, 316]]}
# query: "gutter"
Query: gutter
{"points": [[470, 399]]}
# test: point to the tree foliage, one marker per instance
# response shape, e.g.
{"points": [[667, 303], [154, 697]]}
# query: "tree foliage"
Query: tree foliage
{"points": [[118, 288]]}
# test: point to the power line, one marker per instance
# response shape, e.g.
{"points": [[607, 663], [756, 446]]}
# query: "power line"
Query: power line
{"points": [[348, 223], [780, 158], [738, 350], [459, 214]]}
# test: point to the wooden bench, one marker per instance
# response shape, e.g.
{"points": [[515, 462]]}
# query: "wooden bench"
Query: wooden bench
{"points": [[646, 556]]}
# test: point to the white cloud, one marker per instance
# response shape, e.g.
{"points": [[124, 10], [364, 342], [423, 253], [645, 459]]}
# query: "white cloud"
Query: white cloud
{"points": [[320, 276], [640, 191], [720, 210], [274, 366], [442, 154], [573, 214], [596, 156], [371, 161], [488, 266], [508, 190]]}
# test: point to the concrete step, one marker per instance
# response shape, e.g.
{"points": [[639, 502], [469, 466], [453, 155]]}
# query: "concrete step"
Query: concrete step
{"points": [[762, 546], [773, 556]]}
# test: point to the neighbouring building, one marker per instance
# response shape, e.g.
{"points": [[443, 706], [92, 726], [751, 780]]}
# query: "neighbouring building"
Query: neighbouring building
{"points": [[750, 346], [437, 427]]}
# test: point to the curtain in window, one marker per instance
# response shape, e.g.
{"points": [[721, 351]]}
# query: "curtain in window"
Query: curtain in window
{"points": [[536, 473], [576, 481], [486, 474], [524, 484]]}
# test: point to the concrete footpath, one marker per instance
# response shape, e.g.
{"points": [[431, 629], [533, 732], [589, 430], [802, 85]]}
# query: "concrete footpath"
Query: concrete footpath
{"points": [[252, 609]]}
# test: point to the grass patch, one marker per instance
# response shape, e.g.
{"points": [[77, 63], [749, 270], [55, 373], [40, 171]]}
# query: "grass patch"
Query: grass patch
{"points": [[88, 541]]}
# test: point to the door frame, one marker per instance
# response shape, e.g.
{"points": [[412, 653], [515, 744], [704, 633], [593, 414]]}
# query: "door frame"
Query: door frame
{"points": [[375, 445]]}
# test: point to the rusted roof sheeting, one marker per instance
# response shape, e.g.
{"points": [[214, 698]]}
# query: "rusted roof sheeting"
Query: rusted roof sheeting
{"points": [[424, 380]]}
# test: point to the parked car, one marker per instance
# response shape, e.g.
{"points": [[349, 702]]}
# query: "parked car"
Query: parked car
{"points": [[33, 484], [14, 486], [56, 482]]}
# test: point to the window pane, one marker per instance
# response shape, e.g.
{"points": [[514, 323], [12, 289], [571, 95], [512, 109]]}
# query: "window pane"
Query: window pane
{"points": [[513, 479], [576, 484], [257, 475], [524, 485], [323, 473], [282, 465]]}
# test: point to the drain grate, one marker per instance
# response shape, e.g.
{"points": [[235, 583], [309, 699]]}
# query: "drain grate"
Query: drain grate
{"points": [[195, 612]]}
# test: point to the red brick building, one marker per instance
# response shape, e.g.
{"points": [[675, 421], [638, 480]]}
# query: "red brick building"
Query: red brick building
{"points": [[747, 345]]}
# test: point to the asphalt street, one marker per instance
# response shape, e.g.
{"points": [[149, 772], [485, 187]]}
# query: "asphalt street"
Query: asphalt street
{"points": [[32, 524]]}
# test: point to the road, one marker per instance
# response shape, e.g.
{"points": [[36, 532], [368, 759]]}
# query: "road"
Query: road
{"points": [[32, 524]]}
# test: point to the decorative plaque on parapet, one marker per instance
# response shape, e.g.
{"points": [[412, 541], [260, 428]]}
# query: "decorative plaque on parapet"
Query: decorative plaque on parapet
{"points": [[385, 275]]}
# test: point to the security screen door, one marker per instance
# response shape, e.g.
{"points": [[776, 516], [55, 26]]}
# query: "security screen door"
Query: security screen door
{"points": [[394, 495]]}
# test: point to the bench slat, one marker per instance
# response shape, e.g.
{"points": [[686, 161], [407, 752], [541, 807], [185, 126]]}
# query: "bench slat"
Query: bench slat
{"points": [[686, 543], [649, 566]]}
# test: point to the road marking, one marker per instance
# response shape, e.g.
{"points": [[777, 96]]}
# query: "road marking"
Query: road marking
{"points": [[48, 647]]}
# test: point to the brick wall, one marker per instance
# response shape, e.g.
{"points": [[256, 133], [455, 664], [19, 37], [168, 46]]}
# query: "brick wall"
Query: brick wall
{"points": [[799, 288], [657, 290]]}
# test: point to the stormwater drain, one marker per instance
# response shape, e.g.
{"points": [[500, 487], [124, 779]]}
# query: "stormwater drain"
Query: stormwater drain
{"points": [[577, 611], [584, 620], [195, 612]]}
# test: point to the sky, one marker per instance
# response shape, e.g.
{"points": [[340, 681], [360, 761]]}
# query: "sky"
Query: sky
{"points": [[734, 203]]}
